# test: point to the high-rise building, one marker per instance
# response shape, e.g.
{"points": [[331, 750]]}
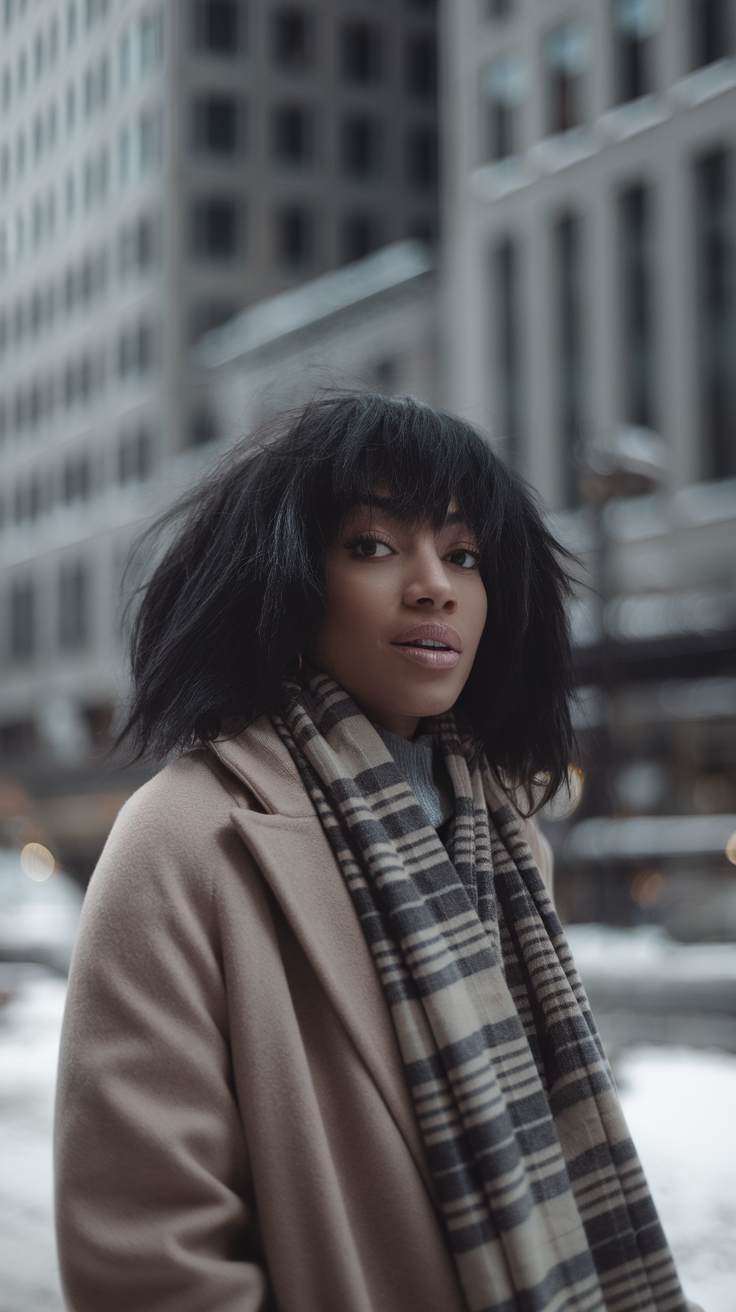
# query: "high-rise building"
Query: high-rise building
{"points": [[590, 229], [590, 327], [163, 163]]}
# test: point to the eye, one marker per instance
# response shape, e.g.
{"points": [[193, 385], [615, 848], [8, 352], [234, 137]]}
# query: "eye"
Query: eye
{"points": [[464, 558], [370, 548]]}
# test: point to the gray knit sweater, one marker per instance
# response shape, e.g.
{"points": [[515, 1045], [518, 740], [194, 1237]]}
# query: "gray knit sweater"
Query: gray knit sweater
{"points": [[424, 769]]}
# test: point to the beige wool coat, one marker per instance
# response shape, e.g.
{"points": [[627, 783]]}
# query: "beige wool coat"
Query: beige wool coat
{"points": [[234, 1130]]}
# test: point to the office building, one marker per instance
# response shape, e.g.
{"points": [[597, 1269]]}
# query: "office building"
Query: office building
{"points": [[590, 328], [162, 165]]}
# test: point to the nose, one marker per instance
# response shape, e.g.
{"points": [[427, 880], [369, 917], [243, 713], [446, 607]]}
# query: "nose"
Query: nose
{"points": [[430, 586]]}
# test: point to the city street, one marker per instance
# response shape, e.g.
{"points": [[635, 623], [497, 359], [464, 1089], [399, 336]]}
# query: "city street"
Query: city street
{"points": [[679, 1101]]}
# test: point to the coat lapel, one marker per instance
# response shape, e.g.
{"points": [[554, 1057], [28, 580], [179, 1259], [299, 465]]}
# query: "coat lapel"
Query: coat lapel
{"points": [[295, 858]]}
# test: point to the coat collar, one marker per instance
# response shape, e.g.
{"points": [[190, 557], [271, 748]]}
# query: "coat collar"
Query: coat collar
{"points": [[289, 846]]}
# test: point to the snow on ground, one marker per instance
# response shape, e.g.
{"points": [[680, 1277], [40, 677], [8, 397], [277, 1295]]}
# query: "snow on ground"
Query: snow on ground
{"points": [[680, 1104], [29, 1043], [681, 1108]]}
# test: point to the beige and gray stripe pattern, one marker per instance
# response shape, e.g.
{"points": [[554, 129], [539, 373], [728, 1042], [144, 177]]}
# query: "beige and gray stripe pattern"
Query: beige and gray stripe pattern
{"points": [[544, 1202]]}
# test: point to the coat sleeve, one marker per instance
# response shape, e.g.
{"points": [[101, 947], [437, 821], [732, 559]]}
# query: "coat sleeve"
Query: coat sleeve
{"points": [[153, 1206]]}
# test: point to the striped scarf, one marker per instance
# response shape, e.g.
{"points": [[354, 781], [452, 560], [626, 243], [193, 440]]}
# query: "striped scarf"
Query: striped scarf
{"points": [[545, 1205]]}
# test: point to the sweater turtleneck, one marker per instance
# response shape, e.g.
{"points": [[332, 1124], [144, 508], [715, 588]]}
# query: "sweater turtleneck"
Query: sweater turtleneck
{"points": [[422, 765]]}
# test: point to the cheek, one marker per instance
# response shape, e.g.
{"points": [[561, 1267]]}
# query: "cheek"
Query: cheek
{"points": [[477, 611]]}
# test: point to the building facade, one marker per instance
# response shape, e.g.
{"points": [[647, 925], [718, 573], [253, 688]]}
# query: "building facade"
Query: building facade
{"points": [[591, 212], [590, 328], [163, 163], [371, 326]]}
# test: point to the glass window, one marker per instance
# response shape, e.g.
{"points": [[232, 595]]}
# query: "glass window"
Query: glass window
{"points": [[637, 304], [569, 339], [496, 10], [292, 42], [73, 606], [420, 66], [149, 140], [421, 158], [711, 29], [151, 42], [216, 124], [635, 23], [216, 228], [715, 188], [506, 341], [135, 452], [361, 146], [565, 61], [360, 49], [22, 620], [124, 61], [360, 234], [503, 89], [294, 237], [292, 134], [217, 26]]}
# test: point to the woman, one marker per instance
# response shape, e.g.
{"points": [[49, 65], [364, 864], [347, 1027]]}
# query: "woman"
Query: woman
{"points": [[325, 1049]]}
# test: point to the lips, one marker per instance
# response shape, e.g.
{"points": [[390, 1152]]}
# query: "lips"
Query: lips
{"points": [[424, 637]]}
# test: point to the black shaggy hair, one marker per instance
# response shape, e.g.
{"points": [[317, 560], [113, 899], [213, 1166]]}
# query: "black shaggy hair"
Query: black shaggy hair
{"points": [[239, 591]]}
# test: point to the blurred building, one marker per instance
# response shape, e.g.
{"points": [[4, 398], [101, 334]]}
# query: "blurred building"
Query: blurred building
{"points": [[369, 326], [162, 165], [590, 327]]}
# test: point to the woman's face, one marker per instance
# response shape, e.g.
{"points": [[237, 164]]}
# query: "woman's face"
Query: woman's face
{"points": [[404, 615]]}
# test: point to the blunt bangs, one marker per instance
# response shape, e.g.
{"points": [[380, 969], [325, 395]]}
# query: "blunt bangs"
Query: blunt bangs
{"points": [[240, 589]]}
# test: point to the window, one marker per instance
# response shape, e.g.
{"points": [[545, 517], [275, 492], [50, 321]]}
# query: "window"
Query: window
{"points": [[202, 427], [207, 315], [149, 140], [71, 24], [217, 225], [151, 42], [497, 9], [134, 457], [361, 234], [506, 334], [217, 26], [711, 31], [137, 246], [124, 62], [635, 23], [635, 217], [77, 480], [716, 266], [73, 606], [360, 48], [361, 146], [71, 107], [569, 338], [421, 158], [135, 350], [420, 66], [565, 61], [292, 39], [216, 125], [503, 88], [294, 236], [292, 135], [22, 620], [38, 55]]}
